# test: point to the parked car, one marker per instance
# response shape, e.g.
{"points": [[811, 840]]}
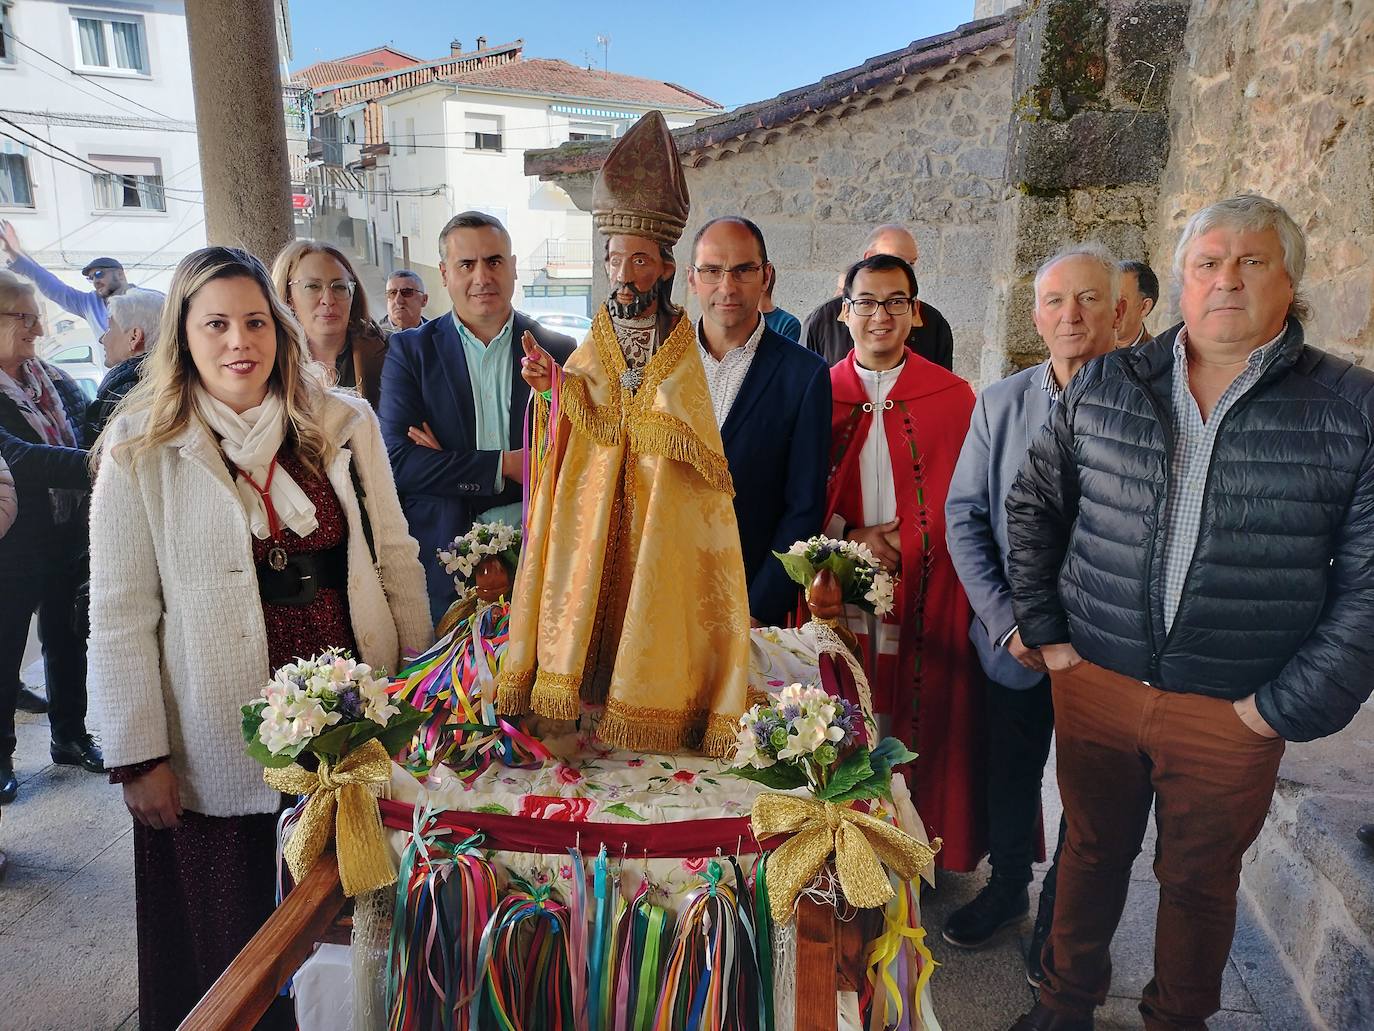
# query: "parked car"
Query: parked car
{"points": [[575, 326], [82, 360]]}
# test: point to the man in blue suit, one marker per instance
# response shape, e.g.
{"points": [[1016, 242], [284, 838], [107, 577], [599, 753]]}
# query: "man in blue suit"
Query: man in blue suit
{"points": [[772, 402], [453, 401], [1078, 305]]}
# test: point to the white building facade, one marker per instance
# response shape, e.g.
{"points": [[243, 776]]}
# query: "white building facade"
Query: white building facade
{"points": [[98, 152], [457, 146]]}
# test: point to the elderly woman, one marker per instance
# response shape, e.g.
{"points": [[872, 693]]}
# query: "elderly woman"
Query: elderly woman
{"points": [[134, 318], [41, 556], [319, 284], [243, 515]]}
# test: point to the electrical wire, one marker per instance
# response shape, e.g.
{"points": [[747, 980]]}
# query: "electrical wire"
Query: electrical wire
{"points": [[126, 179], [73, 72], [87, 171], [105, 214]]}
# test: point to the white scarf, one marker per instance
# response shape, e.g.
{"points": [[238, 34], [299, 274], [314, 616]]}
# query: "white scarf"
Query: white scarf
{"points": [[251, 441]]}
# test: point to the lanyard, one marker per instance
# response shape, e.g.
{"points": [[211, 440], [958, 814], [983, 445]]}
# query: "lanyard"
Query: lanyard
{"points": [[264, 492]]}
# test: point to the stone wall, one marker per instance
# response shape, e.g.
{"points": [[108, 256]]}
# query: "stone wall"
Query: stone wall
{"points": [[1274, 98], [932, 159]]}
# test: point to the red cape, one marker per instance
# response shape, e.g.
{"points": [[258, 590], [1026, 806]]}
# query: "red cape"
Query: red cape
{"points": [[936, 695]]}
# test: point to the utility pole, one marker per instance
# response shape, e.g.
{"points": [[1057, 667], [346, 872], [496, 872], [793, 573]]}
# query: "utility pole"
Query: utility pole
{"points": [[604, 41]]}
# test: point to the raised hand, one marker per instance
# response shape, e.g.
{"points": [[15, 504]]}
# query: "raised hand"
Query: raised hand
{"points": [[536, 368], [9, 240]]}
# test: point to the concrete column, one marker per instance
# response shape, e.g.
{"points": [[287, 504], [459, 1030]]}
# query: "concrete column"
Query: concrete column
{"points": [[241, 129]]}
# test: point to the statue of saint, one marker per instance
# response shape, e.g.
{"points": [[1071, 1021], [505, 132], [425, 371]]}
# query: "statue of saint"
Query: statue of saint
{"points": [[631, 590]]}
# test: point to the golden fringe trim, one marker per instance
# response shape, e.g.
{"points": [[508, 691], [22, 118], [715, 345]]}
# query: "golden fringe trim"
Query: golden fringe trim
{"points": [[621, 727], [589, 419], [660, 434], [719, 742], [557, 695], [621, 730], [513, 692]]}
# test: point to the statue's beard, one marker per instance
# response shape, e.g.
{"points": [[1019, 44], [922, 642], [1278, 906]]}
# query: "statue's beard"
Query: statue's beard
{"points": [[642, 301]]}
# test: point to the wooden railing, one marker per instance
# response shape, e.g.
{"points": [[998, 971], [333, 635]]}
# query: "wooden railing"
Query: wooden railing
{"points": [[243, 992]]}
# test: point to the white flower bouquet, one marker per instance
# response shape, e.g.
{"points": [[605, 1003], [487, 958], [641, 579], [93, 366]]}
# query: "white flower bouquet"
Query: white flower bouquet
{"points": [[328, 705], [864, 582], [807, 738], [485, 540]]}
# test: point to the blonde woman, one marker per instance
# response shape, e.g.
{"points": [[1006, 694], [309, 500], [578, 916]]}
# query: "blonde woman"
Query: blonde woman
{"points": [[319, 284], [239, 511], [42, 555]]}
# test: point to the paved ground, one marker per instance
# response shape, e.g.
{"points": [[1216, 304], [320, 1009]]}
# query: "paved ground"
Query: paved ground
{"points": [[67, 960]]}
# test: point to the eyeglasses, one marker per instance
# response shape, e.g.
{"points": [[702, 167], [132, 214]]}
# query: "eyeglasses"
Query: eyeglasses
{"points": [[95, 274], [405, 292], [712, 275], [314, 288], [28, 320], [866, 306]]}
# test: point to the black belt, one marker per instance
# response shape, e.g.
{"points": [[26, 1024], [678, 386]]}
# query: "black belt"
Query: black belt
{"points": [[305, 573]]}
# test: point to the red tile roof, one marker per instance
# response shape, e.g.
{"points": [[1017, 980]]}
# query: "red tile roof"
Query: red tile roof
{"points": [[326, 73], [354, 66], [559, 78]]}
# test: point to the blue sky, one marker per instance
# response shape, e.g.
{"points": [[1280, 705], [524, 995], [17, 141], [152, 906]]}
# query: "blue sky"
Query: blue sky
{"points": [[734, 53]]}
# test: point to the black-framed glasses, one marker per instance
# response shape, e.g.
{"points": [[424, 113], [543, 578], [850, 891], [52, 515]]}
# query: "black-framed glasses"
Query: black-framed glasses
{"points": [[404, 292], [866, 306], [29, 321], [315, 288], [712, 275]]}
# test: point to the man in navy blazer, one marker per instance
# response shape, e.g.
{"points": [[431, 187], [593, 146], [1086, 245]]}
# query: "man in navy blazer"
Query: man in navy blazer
{"points": [[1077, 307], [453, 401], [772, 402]]}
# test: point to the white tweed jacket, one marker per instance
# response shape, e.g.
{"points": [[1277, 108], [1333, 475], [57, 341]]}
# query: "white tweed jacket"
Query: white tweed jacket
{"points": [[178, 643]]}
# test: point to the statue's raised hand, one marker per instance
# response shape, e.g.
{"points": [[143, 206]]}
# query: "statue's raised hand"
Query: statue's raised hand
{"points": [[536, 368]]}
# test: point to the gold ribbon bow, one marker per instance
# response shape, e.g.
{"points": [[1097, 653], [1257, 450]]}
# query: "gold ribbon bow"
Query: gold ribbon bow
{"points": [[364, 861], [861, 844]]}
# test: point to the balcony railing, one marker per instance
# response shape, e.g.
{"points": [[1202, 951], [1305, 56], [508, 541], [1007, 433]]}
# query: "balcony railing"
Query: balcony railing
{"points": [[562, 259]]}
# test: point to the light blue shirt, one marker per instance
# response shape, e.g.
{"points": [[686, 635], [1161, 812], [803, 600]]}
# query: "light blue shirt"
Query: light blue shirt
{"points": [[489, 369], [87, 304]]}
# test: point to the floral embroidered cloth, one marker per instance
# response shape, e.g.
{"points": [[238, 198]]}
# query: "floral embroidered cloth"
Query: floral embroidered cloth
{"points": [[588, 780]]}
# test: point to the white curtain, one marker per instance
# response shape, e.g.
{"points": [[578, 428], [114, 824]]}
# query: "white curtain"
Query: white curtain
{"points": [[128, 45], [14, 182], [92, 35]]}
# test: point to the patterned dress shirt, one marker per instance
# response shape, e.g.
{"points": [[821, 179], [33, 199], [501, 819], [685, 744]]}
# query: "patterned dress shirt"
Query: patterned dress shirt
{"points": [[725, 377], [1192, 458]]}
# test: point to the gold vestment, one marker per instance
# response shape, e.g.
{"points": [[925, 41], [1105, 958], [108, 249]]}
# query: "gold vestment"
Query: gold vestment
{"points": [[631, 590]]}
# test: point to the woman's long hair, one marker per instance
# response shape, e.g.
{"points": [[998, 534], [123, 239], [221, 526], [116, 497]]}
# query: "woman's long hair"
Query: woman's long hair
{"points": [[169, 376], [284, 270]]}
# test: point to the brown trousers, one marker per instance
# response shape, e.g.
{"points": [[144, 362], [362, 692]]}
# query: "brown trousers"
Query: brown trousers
{"points": [[1121, 745]]}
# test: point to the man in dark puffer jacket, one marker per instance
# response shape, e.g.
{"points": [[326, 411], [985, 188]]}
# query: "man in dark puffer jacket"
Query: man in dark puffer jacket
{"points": [[1192, 549]]}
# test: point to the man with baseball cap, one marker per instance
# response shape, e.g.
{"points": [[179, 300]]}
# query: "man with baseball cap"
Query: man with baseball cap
{"points": [[106, 276]]}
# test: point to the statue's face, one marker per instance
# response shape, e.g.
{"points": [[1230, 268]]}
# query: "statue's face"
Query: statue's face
{"points": [[492, 580], [634, 266]]}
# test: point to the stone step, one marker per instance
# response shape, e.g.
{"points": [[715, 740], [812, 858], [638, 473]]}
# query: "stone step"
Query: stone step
{"points": [[1309, 881]]}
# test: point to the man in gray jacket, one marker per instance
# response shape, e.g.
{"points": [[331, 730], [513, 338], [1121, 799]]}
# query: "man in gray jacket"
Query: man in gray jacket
{"points": [[1078, 306]]}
